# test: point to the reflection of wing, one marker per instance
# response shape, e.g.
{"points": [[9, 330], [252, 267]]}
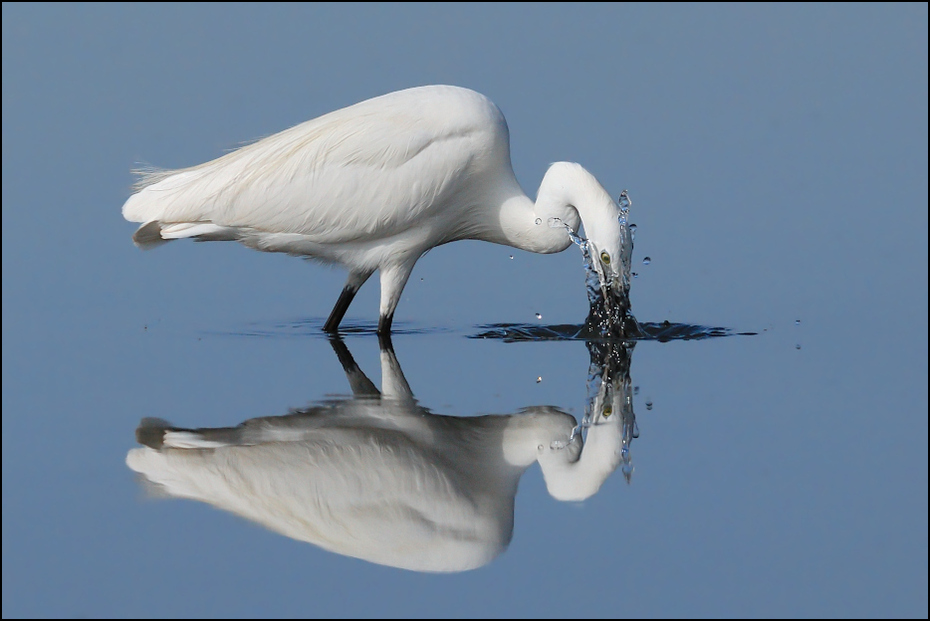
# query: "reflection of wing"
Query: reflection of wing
{"points": [[352, 493], [390, 484], [364, 172]]}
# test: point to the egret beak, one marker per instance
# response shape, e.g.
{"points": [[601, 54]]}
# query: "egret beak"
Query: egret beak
{"points": [[615, 294], [609, 295], [611, 283]]}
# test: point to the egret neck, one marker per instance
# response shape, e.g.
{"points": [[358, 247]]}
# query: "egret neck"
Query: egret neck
{"points": [[570, 194]]}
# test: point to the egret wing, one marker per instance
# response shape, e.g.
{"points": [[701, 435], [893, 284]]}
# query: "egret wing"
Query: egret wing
{"points": [[368, 171]]}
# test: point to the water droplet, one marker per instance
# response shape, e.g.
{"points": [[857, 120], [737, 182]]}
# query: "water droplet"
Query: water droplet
{"points": [[538, 221], [421, 280], [538, 315], [649, 405], [798, 346], [797, 322], [635, 390], [647, 261], [632, 227], [625, 201], [539, 379], [635, 275], [511, 257]]}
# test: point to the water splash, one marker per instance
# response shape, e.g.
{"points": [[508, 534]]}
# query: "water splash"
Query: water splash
{"points": [[609, 313], [627, 233]]}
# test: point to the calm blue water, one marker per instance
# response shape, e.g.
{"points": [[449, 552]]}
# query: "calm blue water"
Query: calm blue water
{"points": [[778, 159]]}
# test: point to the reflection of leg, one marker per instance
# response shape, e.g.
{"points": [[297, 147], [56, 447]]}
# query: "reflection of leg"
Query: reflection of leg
{"points": [[393, 382], [353, 284], [359, 382]]}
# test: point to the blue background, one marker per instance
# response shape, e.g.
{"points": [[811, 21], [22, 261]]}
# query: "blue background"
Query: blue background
{"points": [[777, 160]]}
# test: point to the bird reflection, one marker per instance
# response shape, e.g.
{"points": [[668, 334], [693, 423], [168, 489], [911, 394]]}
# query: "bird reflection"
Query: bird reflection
{"points": [[381, 478]]}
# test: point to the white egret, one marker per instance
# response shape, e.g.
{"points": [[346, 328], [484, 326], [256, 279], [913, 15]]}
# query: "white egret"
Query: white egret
{"points": [[376, 185]]}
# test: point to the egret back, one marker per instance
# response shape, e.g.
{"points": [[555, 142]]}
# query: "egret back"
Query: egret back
{"points": [[428, 156]]}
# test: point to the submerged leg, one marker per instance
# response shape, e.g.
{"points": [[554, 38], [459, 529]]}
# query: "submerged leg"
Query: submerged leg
{"points": [[353, 284], [384, 324], [393, 280]]}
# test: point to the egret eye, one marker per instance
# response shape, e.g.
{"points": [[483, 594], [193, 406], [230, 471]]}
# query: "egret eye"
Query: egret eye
{"points": [[605, 257]]}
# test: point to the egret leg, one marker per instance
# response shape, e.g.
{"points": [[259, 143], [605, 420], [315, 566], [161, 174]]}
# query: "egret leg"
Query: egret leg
{"points": [[393, 280], [353, 284], [384, 324]]}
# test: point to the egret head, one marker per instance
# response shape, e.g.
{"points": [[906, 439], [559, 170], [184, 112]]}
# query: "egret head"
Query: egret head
{"points": [[568, 194], [609, 249]]}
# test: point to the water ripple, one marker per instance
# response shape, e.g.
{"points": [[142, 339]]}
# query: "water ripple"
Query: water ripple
{"points": [[650, 331], [313, 327]]}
